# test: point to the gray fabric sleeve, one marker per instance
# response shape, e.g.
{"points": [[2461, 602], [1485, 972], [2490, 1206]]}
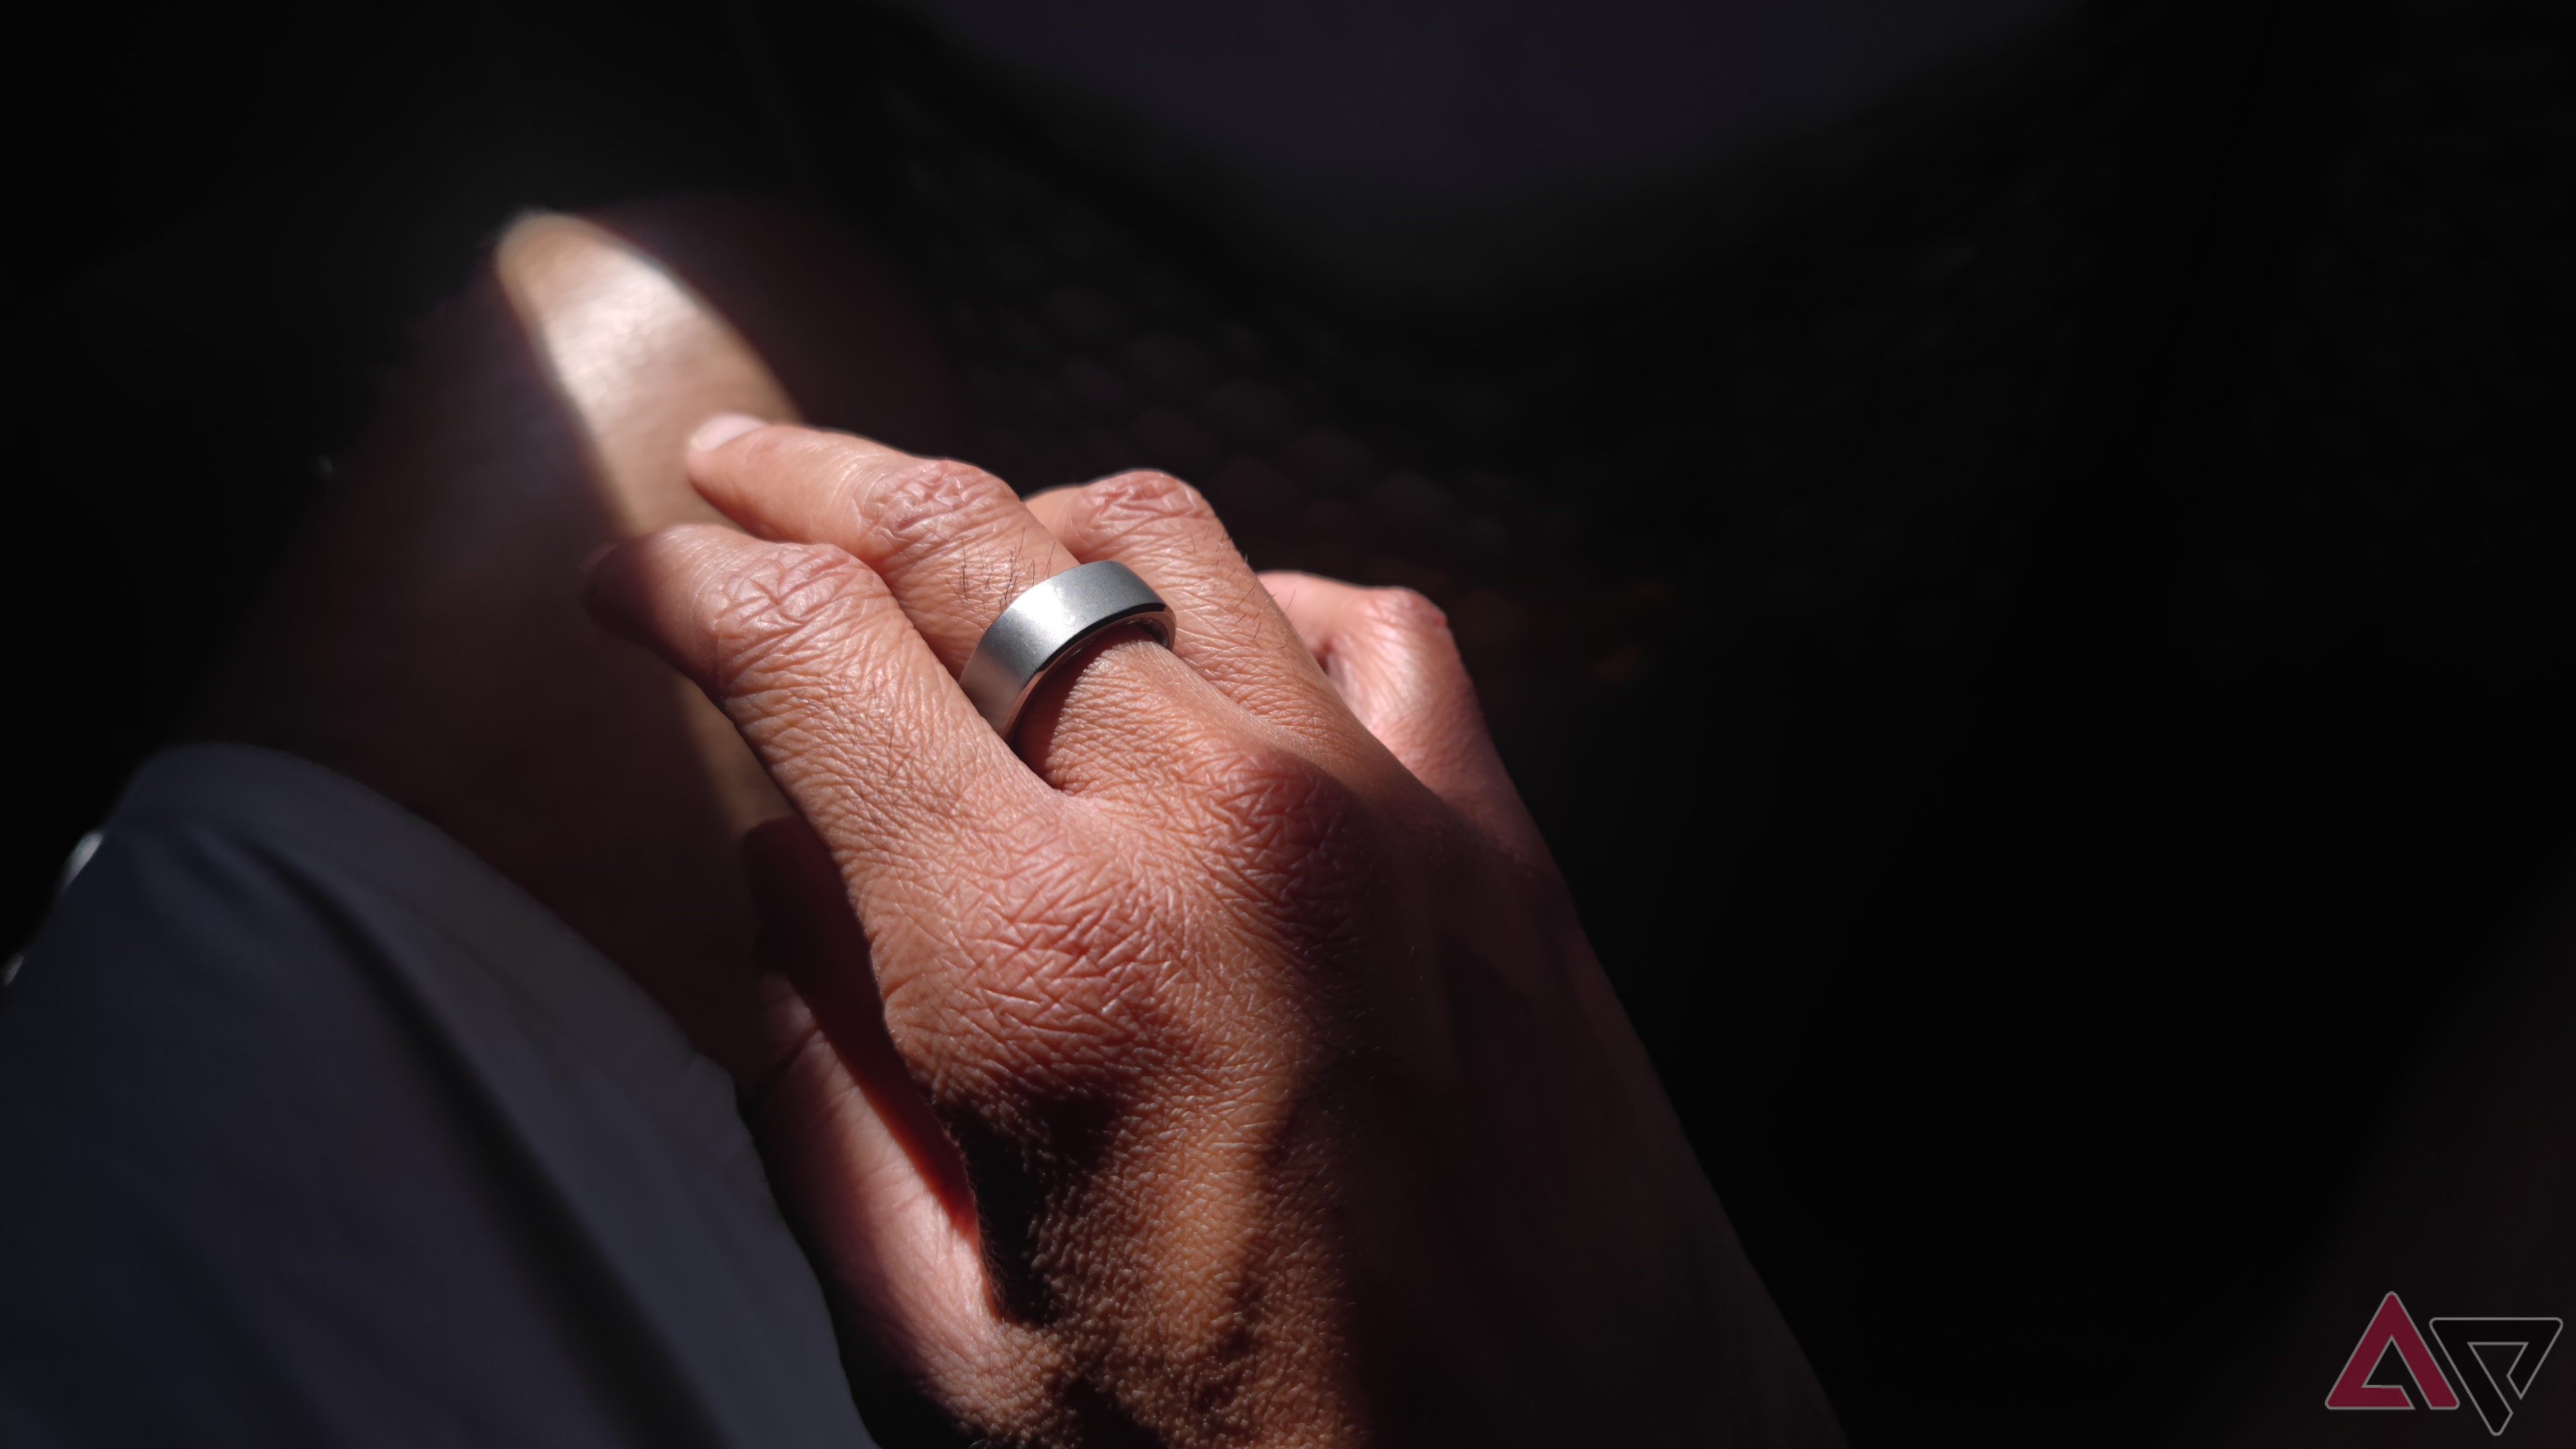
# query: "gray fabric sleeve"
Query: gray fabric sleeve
{"points": [[315, 1130]]}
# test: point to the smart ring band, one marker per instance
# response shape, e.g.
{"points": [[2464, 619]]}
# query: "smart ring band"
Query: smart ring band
{"points": [[1045, 625]]}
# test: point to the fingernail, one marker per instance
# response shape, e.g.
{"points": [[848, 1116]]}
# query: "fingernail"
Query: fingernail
{"points": [[721, 429]]}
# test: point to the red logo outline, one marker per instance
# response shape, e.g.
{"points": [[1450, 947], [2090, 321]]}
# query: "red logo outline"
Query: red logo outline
{"points": [[2391, 1324]]}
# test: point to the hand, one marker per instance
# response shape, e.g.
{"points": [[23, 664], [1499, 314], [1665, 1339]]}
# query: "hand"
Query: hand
{"points": [[1225, 1066]]}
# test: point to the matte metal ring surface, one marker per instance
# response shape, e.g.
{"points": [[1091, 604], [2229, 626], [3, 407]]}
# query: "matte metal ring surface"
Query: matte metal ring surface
{"points": [[1046, 624]]}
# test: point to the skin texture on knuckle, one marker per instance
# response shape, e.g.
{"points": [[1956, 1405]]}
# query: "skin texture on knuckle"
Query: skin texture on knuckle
{"points": [[1269, 812], [937, 516], [1141, 500], [925, 506], [1299, 854]]}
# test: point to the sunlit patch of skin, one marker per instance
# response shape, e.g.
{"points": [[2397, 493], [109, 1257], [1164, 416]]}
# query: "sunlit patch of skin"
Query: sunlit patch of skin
{"points": [[621, 337], [623, 340]]}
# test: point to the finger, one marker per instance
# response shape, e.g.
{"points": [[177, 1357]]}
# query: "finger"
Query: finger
{"points": [[827, 680], [1227, 627], [1389, 654], [955, 546]]}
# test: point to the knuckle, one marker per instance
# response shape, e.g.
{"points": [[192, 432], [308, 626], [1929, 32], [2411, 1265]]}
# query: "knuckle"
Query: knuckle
{"points": [[1144, 497], [1274, 813], [1299, 854], [921, 504], [799, 609], [1401, 611]]}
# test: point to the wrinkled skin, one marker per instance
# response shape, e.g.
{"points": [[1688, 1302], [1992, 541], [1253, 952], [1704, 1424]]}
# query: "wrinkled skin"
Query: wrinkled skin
{"points": [[1225, 1065]]}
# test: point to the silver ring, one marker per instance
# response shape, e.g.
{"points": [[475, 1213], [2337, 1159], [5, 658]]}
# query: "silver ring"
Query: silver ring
{"points": [[1045, 625]]}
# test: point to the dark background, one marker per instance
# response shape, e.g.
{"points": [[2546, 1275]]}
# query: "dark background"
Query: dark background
{"points": [[2038, 618]]}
